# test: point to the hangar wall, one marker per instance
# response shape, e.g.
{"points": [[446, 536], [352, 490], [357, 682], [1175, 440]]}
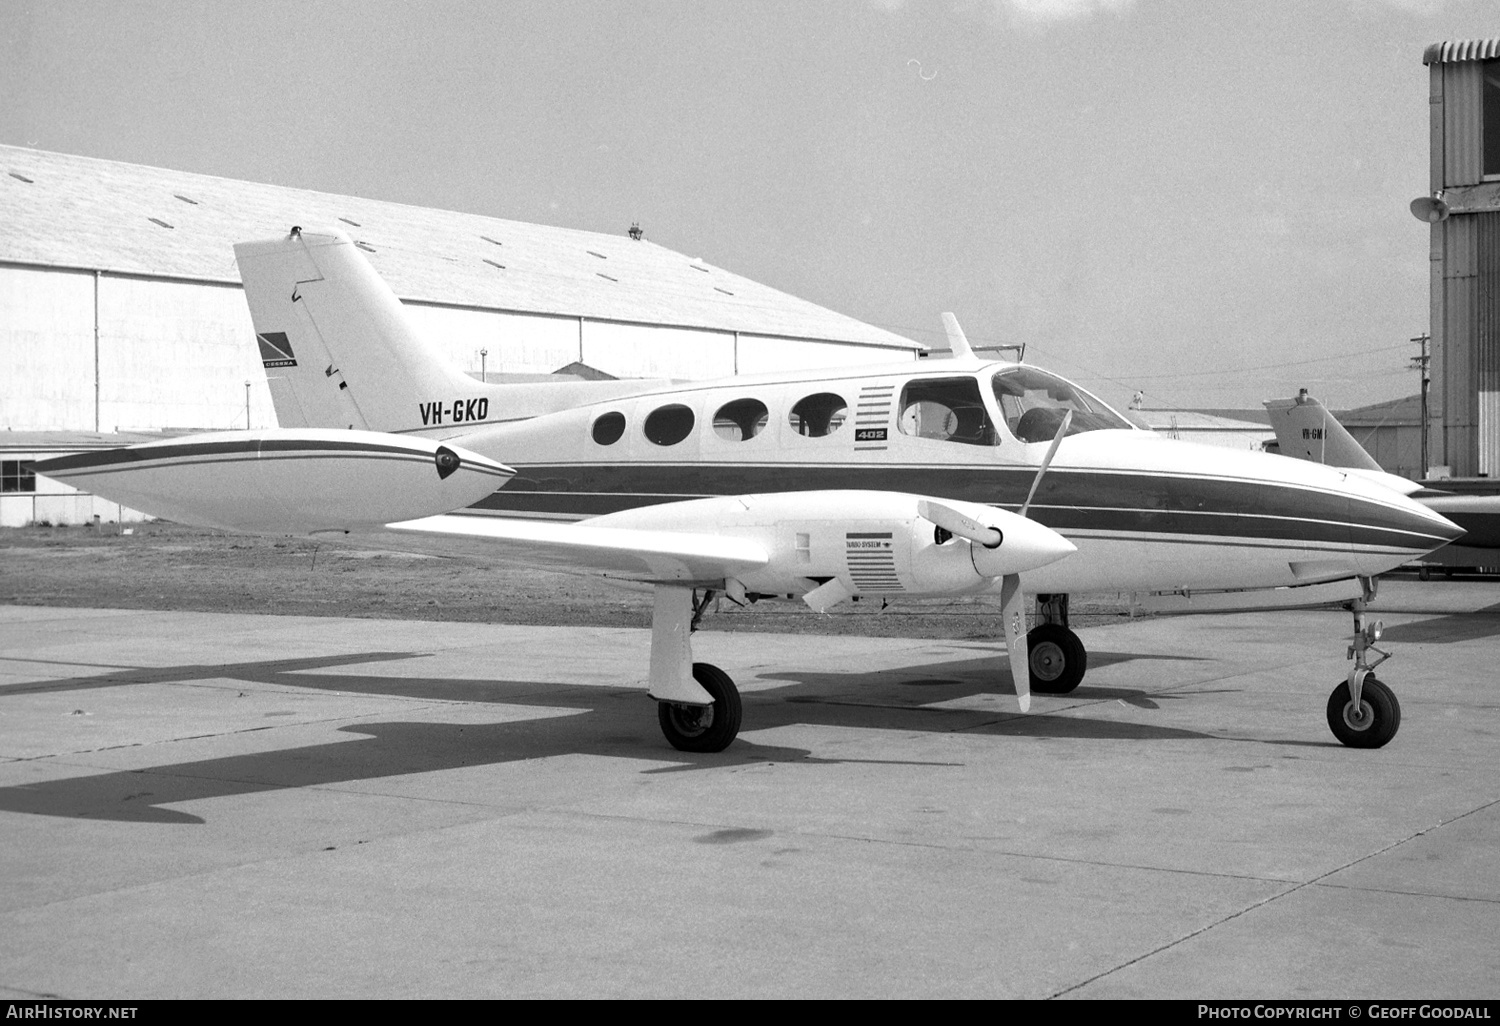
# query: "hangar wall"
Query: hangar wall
{"points": [[99, 352], [47, 332]]}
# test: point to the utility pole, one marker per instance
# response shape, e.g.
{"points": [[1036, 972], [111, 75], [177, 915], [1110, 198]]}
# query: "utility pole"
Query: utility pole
{"points": [[1422, 363]]}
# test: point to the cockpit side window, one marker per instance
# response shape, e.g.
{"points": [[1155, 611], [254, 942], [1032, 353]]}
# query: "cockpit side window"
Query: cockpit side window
{"points": [[1034, 403], [946, 409]]}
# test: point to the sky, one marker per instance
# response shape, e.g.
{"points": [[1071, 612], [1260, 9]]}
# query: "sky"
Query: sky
{"points": [[1203, 200]]}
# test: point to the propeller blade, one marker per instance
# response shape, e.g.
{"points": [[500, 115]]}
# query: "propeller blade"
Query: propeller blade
{"points": [[1062, 429], [1013, 615], [958, 524]]}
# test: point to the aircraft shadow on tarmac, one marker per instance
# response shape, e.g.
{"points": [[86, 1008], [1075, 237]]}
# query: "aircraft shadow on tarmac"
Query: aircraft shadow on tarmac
{"points": [[575, 720], [1454, 627]]}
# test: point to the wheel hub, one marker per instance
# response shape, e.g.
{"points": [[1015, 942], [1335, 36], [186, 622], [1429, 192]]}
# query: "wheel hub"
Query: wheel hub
{"points": [[1047, 661], [1358, 718], [693, 719]]}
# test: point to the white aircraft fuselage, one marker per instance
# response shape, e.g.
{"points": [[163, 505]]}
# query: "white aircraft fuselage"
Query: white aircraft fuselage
{"points": [[1145, 512]]}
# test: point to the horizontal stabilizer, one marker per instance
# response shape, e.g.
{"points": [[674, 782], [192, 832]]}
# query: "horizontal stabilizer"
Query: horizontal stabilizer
{"points": [[285, 481]]}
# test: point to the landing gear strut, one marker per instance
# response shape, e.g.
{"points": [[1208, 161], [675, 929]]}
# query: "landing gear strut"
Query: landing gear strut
{"points": [[1362, 711], [1058, 658], [697, 704]]}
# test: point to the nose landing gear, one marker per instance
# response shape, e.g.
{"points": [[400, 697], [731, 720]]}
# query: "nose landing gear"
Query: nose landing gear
{"points": [[1363, 711]]}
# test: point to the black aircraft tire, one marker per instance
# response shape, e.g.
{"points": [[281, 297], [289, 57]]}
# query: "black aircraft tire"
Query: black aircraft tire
{"points": [[1058, 659], [1380, 719], [694, 728]]}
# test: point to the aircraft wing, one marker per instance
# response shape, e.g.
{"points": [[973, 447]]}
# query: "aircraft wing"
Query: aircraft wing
{"points": [[653, 556]]}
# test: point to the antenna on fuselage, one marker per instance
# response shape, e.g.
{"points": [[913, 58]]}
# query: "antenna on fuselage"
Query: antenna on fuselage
{"points": [[958, 343], [960, 349]]}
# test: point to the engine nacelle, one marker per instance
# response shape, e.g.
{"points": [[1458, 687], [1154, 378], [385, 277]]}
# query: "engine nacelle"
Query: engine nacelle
{"points": [[872, 543]]}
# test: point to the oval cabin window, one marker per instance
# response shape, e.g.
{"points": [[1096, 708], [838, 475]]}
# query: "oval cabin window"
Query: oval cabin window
{"points": [[668, 425], [741, 420], [609, 428], [818, 415]]}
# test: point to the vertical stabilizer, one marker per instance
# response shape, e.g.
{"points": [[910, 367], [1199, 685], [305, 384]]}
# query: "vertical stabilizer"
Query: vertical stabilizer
{"points": [[1307, 431], [337, 346]]}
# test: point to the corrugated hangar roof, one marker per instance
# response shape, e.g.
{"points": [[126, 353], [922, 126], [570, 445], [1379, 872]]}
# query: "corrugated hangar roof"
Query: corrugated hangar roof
{"points": [[1461, 50], [82, 212]]}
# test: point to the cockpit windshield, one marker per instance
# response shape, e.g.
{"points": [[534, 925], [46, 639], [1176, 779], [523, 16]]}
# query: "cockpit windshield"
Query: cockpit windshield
{"points": [[1034, 403]]}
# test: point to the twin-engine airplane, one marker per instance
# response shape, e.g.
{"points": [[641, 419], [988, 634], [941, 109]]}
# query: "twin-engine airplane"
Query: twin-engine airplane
{"points": [[942, 478]]}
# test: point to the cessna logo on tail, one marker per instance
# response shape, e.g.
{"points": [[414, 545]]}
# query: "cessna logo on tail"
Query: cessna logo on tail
{"points": [[275, 350]]}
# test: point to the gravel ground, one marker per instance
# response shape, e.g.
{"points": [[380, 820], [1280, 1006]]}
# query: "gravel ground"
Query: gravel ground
{"points": [[165, 566]]}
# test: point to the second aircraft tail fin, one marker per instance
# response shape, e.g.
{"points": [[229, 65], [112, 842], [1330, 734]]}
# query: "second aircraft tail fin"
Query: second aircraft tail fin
{"points": [[1306, 430]]}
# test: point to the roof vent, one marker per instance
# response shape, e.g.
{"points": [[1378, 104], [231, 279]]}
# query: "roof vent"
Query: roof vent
{"points": [[191, 202], [157, 220], [20, 177]]}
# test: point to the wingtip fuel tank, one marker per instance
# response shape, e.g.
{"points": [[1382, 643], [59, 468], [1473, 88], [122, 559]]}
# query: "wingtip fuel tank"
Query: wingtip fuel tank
{"points": [[285, 481]]}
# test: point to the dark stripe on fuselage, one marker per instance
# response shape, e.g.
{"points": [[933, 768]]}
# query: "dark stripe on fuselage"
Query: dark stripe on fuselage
{"points": [[1066, 500], [243, 447], [199, 454]]}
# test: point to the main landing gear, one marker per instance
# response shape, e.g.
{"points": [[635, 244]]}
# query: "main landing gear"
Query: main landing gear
{"points": [[697, 704], [1362, 711], [1058, 658]]}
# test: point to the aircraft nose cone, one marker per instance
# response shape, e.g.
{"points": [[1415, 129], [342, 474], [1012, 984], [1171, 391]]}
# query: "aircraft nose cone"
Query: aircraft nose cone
{"points": [[1392, 529], [1451, 532]]}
